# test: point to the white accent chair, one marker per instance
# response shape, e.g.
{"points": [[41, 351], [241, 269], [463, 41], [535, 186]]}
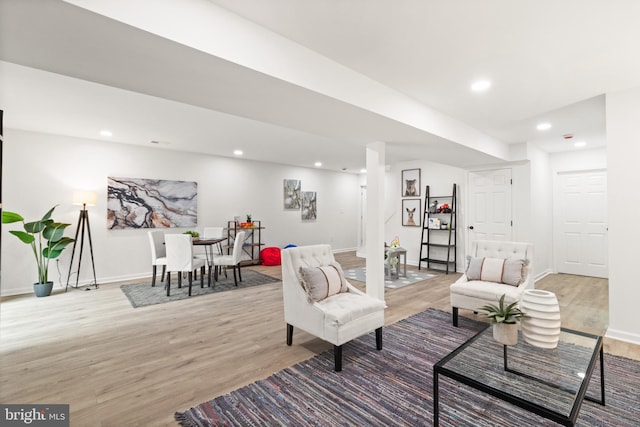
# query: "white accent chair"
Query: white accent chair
{"points": [[158, 254], [473, 294], [232, 260], [337, 319], [180, 260]]}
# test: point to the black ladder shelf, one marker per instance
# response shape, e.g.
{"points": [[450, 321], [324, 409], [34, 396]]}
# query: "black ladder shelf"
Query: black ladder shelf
{"points": [[438, 242]]}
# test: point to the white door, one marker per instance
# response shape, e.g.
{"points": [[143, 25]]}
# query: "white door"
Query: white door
{"points": [[489, 214], [581, 242]]}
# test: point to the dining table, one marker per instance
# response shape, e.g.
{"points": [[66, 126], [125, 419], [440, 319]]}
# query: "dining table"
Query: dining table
{"points": [[208, 250]]}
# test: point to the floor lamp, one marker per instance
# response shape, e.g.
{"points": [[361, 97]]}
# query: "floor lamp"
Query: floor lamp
{"points": [[83, 198]]}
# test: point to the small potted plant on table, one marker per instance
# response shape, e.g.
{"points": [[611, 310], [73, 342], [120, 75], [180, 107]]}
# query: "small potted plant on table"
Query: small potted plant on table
{"points": [[504, 320], [248, 223], [47, 242], [194, 234]]}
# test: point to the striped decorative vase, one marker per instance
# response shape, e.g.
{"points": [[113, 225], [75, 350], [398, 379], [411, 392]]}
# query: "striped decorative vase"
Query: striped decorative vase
{"points": [[541, 323]]}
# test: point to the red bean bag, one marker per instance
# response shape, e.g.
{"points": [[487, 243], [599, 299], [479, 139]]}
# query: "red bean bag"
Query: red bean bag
{"points": [[270, 256]]}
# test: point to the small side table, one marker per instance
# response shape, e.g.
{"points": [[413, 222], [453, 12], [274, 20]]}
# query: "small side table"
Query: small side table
{"points": [[400, 255]]}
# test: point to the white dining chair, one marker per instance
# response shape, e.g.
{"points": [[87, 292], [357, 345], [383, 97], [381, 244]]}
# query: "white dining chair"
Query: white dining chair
{"points": [[232, 260], [180, 259], [207, 234], [158, 254], [214, 233], [209, 251]]}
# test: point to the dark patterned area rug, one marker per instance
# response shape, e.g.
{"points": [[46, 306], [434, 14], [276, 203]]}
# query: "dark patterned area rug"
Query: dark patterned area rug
{"points": [[143, 294], [393, 387]]}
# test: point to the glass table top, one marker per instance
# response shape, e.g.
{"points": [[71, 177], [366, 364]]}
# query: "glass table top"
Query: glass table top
{"points": [[549, 378]]}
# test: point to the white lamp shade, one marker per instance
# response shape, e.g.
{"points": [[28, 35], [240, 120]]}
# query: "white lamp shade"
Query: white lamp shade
{"points": [[89, 198]]}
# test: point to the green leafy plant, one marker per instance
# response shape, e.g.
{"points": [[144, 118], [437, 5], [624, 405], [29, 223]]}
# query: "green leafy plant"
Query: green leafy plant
{"points": [[46, 238], [193, 234], [501, 314]]}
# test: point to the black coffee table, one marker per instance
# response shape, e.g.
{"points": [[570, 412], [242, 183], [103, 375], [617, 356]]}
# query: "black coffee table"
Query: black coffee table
{"points": [[549, 382]]}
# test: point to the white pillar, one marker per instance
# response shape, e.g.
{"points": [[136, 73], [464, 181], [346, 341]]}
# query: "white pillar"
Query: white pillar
{"points": [[375, 219], [623, 175]]}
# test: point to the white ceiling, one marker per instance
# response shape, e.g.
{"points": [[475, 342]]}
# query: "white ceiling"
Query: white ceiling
{"points": [[71, 71]]}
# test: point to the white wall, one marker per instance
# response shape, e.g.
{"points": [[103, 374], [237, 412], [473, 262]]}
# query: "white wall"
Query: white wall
{"points": [[540, 215], [623, 176], [440, 179], [42, 170], [532, 198], [579, 160]]}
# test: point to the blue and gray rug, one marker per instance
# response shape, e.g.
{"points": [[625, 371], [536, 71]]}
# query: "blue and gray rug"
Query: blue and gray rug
{"points": [[142, 294], [360, 274]]}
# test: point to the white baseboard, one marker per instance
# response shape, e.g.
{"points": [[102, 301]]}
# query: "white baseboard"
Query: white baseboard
{"points": [[337, 251], [5, 291], [623, 336], [542, 275]]}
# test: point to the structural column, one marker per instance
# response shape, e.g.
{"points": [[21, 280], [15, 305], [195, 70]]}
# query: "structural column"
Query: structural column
{"points": [[375, 219], [623, 175]]}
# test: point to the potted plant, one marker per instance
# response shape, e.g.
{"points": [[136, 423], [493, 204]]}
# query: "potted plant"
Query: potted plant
{"points": [[248, 223], [47, 242], [194, 234], [504, 319]]}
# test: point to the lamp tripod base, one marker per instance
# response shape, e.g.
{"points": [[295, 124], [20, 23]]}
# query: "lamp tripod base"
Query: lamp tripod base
{"points": [[83, 224]]}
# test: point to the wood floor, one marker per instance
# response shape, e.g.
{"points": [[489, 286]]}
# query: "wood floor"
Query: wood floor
{"points": [[120, 366]]}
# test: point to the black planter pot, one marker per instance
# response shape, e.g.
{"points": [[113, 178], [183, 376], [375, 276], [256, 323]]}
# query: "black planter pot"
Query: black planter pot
{"points": [[42, 289]]}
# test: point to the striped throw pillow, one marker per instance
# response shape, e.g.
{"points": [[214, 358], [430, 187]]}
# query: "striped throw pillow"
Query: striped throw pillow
{"points": [[322, 282], [508, 271]]}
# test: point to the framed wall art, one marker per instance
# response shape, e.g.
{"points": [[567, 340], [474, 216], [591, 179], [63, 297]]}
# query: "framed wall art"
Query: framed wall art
{"points": [[411, 214], [291, 189], [151, 203], [411, 183], [309, 206]]}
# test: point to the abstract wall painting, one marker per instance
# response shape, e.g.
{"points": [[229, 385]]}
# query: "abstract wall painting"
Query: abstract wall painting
{"points": [[292, 193], [309, 206], [151, 203]]}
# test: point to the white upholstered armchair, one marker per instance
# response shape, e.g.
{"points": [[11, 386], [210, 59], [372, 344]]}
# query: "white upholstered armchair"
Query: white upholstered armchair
{"points": [[337, 318], [486, 279]]}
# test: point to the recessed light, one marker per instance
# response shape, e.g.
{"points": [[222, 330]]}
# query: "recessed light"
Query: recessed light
{"points": [[579, 144], [238, 152], [544, 126], [363, 170], [480, 85], [317, 164], [106, 133]]}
